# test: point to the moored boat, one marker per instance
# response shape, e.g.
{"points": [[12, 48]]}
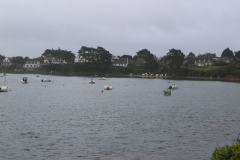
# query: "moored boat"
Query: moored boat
{"points": [[103, 78], [4, 88], [173, 87], [92, 82], [108, 87], [24, 80], [46, 80], [167, 92]]}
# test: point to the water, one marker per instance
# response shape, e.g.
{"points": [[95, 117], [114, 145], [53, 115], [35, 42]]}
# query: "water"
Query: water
{"points": [[72, 119]]}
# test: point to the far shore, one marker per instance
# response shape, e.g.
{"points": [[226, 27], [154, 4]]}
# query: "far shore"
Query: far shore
{"points": [[230, 79]]}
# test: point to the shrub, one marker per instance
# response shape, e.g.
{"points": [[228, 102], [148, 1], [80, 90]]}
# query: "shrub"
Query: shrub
{"points": [[227, 152]]}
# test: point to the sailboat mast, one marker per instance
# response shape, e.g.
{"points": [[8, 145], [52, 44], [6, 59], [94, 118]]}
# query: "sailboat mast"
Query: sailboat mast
{"points": [[5, 80]]}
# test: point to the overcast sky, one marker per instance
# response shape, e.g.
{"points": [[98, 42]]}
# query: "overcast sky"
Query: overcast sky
{"points": [[29, 27]]}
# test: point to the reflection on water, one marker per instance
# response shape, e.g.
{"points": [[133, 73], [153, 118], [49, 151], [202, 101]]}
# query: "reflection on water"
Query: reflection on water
{"points": [[72, 119]]}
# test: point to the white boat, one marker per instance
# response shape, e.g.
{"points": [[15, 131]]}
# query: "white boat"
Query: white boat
{"points": [[103, 78], [24, 80], [92, 82], [173, 87], [169, 81], [46, 80], [108, 87], [167, 92], [4, 88], [37, 76]]}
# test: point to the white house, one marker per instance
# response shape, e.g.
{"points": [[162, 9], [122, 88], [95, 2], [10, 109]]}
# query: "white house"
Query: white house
{"points": [[80, 59], [54, 60], [7, 61], [31, 64], [114, 58]]}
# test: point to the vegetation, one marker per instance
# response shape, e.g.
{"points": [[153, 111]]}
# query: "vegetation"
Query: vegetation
{"points": [[227, 152], [59, 53], [98, 60], [227, 53]]}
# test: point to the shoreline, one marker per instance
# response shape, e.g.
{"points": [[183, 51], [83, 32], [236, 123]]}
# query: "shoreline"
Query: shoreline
{"points": [[229, 79]]}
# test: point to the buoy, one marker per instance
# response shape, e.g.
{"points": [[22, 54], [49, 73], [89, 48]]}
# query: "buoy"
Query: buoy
{"points": [[102, 90], [63, 84], [126, 85], [45, 86], [83, 83]]}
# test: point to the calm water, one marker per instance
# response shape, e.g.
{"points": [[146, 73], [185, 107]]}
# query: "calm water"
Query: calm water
{"points": [[72, 119]]}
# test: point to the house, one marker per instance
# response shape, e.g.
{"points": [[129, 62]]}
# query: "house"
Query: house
{"points": [[123, 62], [7, 61], [47, 59], [30, 65], [204, 61], [80, 59], [140, 62], [225, 59], [114, 58], [54, 60]]}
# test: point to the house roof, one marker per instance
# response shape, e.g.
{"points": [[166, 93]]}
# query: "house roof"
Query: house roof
{"points": [[225, 58], [31, 62], [120, 61]]}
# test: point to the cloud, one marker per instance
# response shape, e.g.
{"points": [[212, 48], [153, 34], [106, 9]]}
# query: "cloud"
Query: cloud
{"points": [[29, 27]]}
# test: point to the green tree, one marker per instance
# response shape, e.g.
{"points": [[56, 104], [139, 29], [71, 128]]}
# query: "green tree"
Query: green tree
{"points": [[237, 55], [64, 54], [190, 60], [144, 53], [177, 57], [18, 60], [2, 57], [26, 59], [227, 53], [105, 56], [152, 66], [191, 54], [93, 54]]}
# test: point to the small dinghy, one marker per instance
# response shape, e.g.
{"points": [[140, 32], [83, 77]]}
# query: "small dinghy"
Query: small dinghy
{"points": [[108, 87], [46, 80], [24, 80], [167, 92], [92, 82]]}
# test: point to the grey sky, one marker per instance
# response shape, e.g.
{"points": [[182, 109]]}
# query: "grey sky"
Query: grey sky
{"points": [[29, 27]]}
